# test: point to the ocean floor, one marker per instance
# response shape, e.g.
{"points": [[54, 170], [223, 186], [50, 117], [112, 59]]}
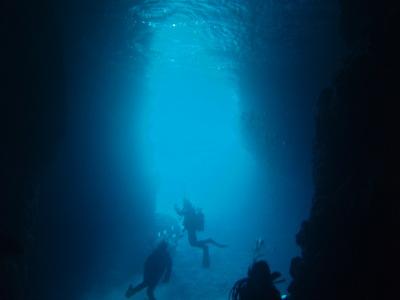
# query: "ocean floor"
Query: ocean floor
{"points": [[189, 280]]}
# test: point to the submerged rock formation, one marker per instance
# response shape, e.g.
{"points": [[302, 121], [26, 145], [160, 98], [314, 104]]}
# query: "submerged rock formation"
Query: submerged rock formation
{"points": [[31, 123], [349, 243], [58, 206]]}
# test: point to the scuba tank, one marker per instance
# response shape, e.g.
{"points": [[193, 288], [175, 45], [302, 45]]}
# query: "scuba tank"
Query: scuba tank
{"points": [[194, 220], [199, 220]]}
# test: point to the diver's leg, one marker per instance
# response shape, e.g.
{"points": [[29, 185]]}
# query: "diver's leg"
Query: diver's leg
{"points": [[200, 244], [133, 290], [206, 257], [192, 237], [150, 292], [211, 241], [194, 242]]}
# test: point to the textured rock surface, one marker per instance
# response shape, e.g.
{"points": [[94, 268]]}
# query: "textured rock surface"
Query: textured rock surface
{"points": [[349, 243]]}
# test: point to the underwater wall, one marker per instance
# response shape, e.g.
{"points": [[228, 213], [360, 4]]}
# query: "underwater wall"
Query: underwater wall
{"points": [[350, 241], [64, 222], [32, 118]]}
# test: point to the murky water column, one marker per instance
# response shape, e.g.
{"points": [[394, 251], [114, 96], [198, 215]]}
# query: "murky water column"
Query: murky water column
{"points": [[192, 122], [195, 149]]}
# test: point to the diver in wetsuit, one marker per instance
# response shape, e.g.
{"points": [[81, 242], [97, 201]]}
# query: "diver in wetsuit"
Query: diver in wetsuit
{"points": [[157, 265], [193, 221], [258, 285]]}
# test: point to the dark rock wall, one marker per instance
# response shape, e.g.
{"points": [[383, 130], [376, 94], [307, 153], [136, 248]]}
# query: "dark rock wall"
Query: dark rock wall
{"points": [[350, 241], [31, 122], [63, 227]]}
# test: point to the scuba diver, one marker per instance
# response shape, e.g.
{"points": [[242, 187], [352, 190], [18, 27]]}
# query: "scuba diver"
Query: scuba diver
{"points": [[158, 263], [258, 285], [193, 221]]}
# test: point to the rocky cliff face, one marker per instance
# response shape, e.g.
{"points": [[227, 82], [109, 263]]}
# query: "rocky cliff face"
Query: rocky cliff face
{"points": [[32, 101], [42, 248], [349, 241]]}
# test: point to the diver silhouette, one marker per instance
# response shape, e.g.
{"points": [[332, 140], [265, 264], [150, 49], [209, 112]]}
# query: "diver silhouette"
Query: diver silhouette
{"points": [[157, 264], [193, 221], [258, 285]]}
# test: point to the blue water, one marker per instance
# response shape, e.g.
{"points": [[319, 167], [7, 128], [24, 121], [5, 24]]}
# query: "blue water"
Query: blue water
{"points": [[191, 124], [239, 148]]}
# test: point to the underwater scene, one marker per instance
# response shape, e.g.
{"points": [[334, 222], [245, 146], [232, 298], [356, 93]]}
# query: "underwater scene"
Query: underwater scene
{"points": [[199, 150]]}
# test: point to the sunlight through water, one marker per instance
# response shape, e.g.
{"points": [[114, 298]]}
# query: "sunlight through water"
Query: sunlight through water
{"points": [[193, 141]]}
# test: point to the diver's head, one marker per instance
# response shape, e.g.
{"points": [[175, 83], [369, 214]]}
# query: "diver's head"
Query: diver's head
{"points": [[259, 271], [186, 203], [162, 246]]}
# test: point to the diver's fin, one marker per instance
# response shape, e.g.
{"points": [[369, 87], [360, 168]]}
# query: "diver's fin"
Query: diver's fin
{"points": [[129, 291], [206, 258]]}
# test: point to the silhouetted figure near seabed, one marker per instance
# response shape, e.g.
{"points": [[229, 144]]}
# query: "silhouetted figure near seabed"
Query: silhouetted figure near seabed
{"points": [[258, 285], [158, 263], [193, 221]]}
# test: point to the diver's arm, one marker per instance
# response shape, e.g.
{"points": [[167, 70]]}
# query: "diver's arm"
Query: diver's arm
{"points": [[168, 270], [178, 211]]}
